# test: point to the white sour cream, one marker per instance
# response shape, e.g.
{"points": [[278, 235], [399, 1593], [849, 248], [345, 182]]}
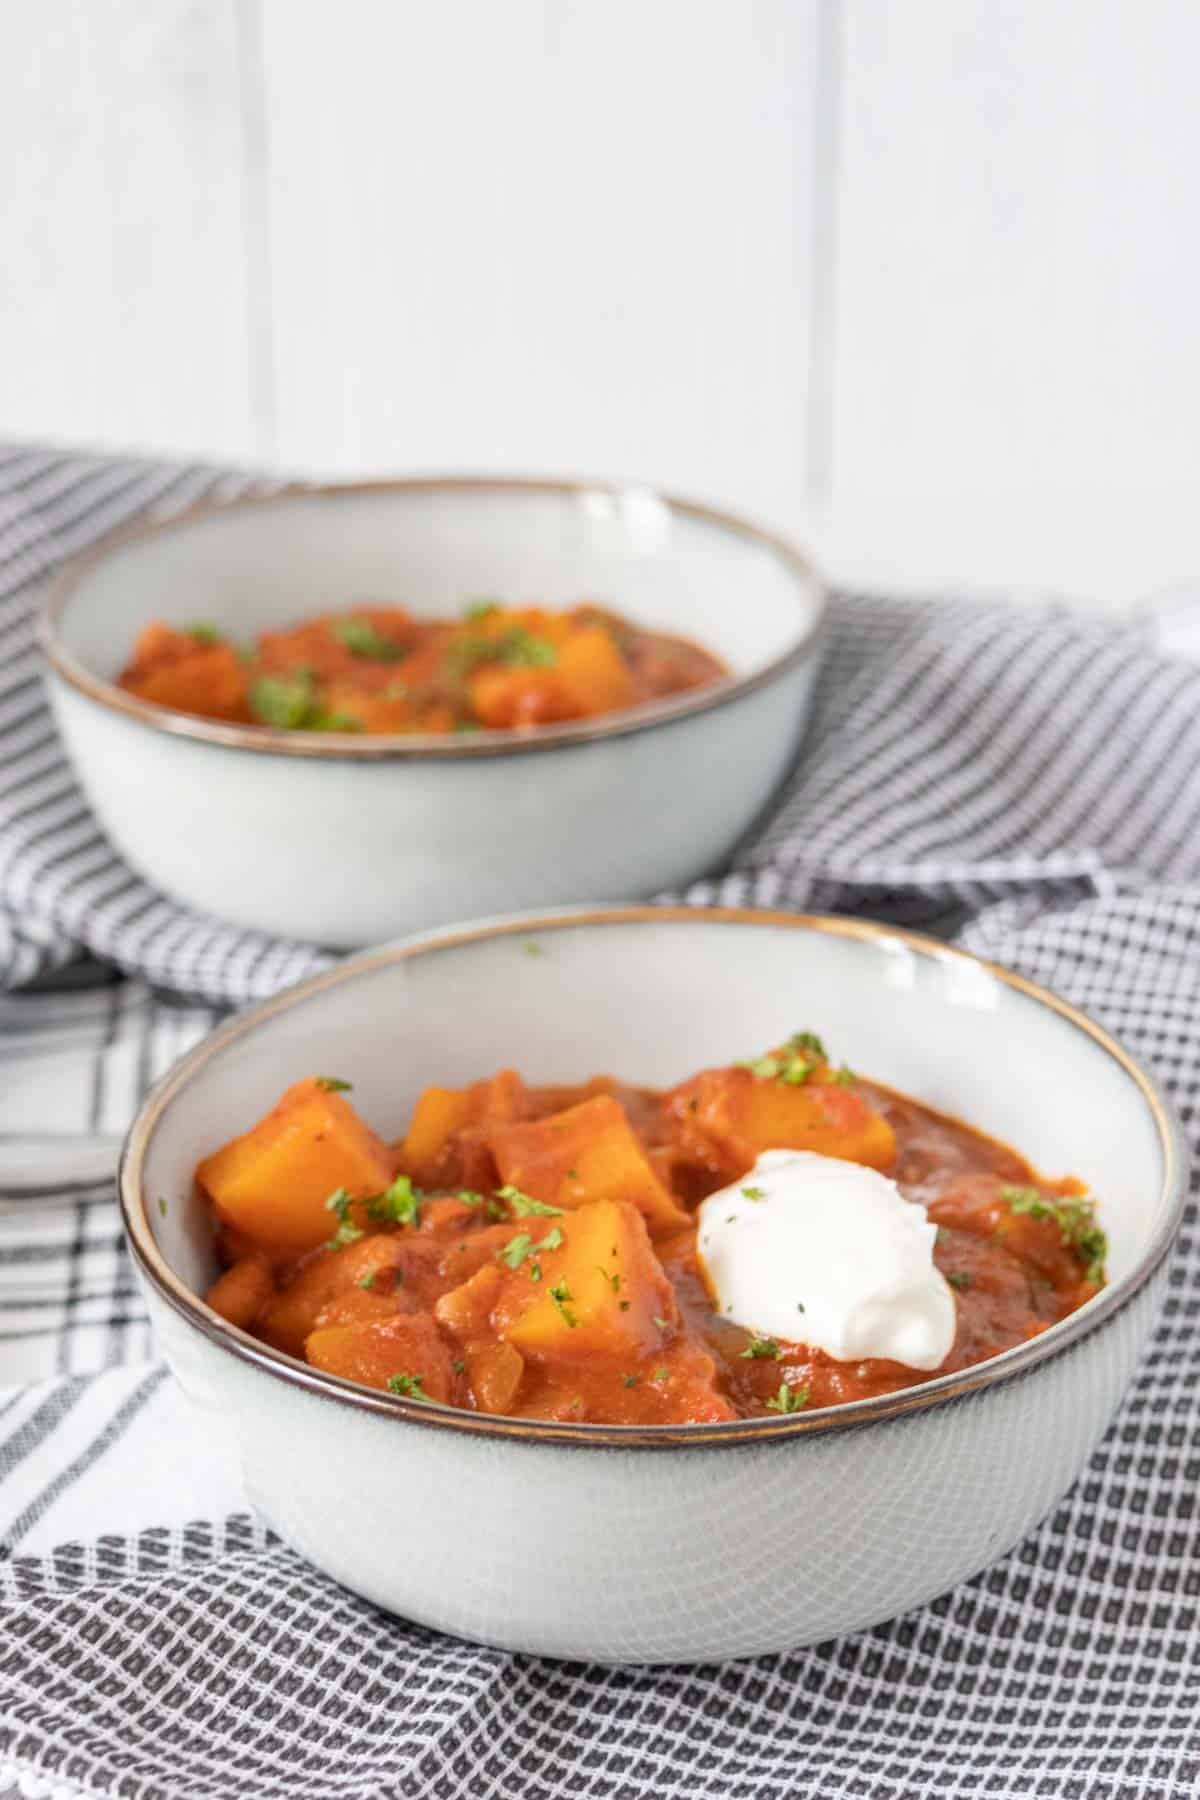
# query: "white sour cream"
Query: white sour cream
{"points": [[828, 1253]]}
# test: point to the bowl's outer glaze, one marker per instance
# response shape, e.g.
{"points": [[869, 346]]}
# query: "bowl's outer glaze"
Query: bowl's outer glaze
{"points": [[355, 840], [345, 853], [664, 1556], [703, 1542]]}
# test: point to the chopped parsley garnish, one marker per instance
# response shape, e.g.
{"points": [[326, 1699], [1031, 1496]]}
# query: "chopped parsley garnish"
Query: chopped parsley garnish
{"points": [[458, 1365], [632, 1380], [399, 1204], [625, 1305], [842, 1077], [1076, 1221], [289, 703], [521, 1246], [523, 649], [793, 1064], [516, 1250], [524, 1206], [532, 948], [361, 639], [660, 1375], [162, 1207], [409, 1385], [560, 1293], [799, 1306], [475, 610], [663, 1324], [286, 701], [755, 1193], [788, 1399], [959, 1279], [515, 648], [333, 1084], [339, 1203], [762, 1347], [202, 632], [368, 1280], [611, 1276]]}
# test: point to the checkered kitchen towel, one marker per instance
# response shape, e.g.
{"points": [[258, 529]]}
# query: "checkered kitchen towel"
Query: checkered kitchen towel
{"points": [[1026, 782]]}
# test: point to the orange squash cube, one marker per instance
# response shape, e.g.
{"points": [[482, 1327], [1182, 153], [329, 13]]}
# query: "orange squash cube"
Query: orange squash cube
{"points": [[589, 1152], [441, 1113], [241, 1293], [409, 1347], [601, 1293], [592, 672], [724, 1119], [272, 1183]]}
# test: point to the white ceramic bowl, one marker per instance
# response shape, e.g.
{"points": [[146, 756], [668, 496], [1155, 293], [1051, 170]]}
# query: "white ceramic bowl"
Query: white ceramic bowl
{"points": [[347, 840], [666, 1543]]}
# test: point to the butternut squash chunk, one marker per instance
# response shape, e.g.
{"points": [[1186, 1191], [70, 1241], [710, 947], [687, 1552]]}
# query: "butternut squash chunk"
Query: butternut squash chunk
{"points": [[404, 1355], [724, 1119], [241, 1293], [592, 672], [589, 1152], [273, 1182], [442, 1113], [381, 1259], [602, 1292]]}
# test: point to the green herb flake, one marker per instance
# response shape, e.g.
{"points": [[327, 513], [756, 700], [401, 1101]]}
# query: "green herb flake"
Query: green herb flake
{"points": [[162, 1207], [788, 1399], [532, 948], [287, 702], [663, 1324], [476, 610], [368, 1281], [524, 1206], [660, 1375], [360, 638], [201, 631], [1076, 1221], [399, 1204], [611, 1276], [959, 1279], [339, 1204], [560, 1293], [408, 1385], [516, 1250], [843, 1077], [333, 1084], [458, 1365], [755, 1193], [632, 1380], [468, 1197], [762, 1347]]}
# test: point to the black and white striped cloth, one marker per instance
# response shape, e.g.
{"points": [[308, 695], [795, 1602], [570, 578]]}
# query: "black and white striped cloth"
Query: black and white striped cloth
{"points": [[1027, 782]]}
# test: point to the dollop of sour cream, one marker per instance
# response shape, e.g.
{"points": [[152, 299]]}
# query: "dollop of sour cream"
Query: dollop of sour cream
{"points": [[828, 1253]]}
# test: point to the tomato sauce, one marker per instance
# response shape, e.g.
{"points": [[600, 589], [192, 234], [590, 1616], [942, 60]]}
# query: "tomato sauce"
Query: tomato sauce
{"points": [[531, 1251], [381, 670]]}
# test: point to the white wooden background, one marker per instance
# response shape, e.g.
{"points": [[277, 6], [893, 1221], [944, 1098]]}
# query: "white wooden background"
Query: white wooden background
{"points": [[917, 278]]}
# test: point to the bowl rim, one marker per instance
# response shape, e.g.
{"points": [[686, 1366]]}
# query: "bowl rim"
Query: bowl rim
{"points": [[854, 1415], [421, 747]]}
